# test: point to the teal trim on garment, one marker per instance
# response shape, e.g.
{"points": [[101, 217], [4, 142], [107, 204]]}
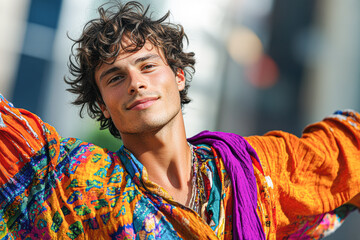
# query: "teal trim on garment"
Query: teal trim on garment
{"points": [[215, 195]]}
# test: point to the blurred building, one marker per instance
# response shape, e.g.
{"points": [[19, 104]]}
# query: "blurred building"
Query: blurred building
{"points": [[261, 65]]}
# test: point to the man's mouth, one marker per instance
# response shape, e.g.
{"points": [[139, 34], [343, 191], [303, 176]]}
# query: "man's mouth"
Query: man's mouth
{"points": [[142, 103]]}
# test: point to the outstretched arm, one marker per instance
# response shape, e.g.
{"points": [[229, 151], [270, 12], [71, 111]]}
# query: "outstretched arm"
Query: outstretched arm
{"points": [[314, 174], [23, 136]]}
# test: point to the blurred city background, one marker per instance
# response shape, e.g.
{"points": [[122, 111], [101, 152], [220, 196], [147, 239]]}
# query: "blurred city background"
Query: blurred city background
{"points": [[261, 64]]}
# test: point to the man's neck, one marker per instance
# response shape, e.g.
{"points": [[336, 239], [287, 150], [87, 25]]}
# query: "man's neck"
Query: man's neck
{"points": [[166, 156]]}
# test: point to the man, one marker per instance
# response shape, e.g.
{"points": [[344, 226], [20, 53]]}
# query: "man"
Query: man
{"points": [[131, 73]]}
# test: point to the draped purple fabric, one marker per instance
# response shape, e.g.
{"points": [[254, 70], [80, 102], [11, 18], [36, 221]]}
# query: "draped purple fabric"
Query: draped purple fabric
{"points": [[236, 154]]}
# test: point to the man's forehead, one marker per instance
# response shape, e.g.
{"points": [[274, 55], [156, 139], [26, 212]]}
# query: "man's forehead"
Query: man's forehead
{"points": [[127, 51]]}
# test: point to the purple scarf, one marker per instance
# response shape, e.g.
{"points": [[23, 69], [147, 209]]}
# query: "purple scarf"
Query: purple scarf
{"points": [[236, 154]]}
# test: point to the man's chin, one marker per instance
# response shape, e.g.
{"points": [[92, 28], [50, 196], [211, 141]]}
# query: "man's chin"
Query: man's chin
{"points": [[151, 123], [143, 129]]}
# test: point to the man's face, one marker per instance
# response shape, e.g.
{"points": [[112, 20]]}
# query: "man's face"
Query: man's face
{"points": [[140, 91]]}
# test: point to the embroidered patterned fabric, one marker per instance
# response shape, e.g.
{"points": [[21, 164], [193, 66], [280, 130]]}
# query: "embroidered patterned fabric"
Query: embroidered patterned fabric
{"points": [[322, 225], [57, 188]]}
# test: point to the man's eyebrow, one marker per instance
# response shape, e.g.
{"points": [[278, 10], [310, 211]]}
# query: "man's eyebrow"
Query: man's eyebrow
{"points": [[146, 57], [110, 70]]}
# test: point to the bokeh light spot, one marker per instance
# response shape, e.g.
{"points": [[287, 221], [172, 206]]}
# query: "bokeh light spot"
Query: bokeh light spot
{"points": [[262, 74], [244, 46]]}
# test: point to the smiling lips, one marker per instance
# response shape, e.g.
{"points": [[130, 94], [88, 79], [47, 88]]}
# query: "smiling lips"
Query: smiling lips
{"points": [[142, 103]]}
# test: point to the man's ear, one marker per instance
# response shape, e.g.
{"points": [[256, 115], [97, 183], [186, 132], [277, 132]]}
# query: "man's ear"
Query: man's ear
{"points": [[104, 110], [180, 79]]}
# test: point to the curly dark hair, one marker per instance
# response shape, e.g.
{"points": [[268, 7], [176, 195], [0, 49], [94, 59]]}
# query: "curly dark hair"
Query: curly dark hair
{"points": [[101, 42]]}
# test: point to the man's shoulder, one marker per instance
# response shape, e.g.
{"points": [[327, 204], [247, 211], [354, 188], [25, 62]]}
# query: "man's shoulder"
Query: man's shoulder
{"points": [[83, 157]]}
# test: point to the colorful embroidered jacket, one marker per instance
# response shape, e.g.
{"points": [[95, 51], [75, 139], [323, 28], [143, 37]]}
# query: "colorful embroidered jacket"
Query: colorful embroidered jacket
{"points": [[63, 188]]}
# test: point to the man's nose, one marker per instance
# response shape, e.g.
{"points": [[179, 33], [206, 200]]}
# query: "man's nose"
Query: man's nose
{"points": [[137, 82]]}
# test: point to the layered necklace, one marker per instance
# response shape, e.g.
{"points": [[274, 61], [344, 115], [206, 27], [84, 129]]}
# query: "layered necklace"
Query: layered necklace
{"points": [[196, 183]]}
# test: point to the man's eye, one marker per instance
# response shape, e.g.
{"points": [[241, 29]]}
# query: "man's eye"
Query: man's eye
{"points": [[148, 66], [115, 79]]}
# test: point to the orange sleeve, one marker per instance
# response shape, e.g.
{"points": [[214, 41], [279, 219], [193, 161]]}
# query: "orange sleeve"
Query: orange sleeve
{"points": [[313, 174], [22, 136]]}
